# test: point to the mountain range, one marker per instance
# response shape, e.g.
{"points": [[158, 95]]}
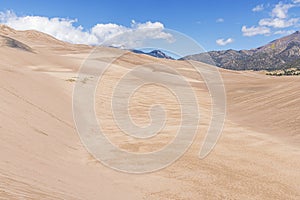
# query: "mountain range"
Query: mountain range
{"points": [[282, 53]]}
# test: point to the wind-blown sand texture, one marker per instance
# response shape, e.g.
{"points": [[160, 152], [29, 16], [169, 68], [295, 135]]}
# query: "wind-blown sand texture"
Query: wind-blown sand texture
{"points": [[42, 157]]}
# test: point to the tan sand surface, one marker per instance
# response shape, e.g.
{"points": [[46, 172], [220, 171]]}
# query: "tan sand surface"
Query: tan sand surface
{"points": [[42, 157]]}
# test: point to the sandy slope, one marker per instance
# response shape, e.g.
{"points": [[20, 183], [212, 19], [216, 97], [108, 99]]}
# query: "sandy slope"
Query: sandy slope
{"points": [[257, 156]]}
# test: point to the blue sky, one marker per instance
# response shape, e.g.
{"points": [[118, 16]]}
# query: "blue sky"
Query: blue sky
{"points": [[215, 25]]}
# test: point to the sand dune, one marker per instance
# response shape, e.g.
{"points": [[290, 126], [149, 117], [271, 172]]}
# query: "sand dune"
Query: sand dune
{"points": [[42, 157]]}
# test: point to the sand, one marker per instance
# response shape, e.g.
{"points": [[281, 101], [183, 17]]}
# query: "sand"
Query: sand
{"points": [[42, 156]]}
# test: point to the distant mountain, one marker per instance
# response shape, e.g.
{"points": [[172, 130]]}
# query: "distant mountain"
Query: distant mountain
{"points": [[279, 54], [154, 53]]}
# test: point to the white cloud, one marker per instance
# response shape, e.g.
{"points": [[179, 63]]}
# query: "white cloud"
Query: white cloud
{"points": [[220, 20], [253, 30], [284, 32], [278, 23], [258, 8], [278, 18], [107, 34], [281, 10], [223, 42]]}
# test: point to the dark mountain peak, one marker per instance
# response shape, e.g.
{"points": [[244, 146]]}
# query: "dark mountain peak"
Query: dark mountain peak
{"points": [[159, 54], [155, 53]]}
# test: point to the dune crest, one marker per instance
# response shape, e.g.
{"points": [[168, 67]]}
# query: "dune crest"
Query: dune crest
{"points": [[42, 157]]}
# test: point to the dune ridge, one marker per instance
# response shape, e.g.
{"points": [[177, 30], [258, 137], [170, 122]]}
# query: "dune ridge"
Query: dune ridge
{"points": [[42, 157]]}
